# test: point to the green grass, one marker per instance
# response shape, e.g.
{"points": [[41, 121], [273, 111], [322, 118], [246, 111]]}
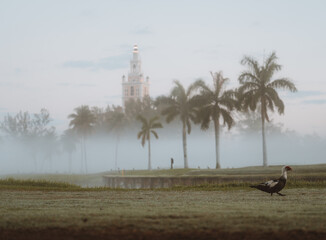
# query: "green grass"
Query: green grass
{"points": [[319, 169], [238, 178], [16, 184], [82, 180], [34, 203], [165, 211], [43, 185]]}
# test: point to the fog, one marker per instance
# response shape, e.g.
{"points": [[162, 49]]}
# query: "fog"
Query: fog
{"points": [[237, 149]]}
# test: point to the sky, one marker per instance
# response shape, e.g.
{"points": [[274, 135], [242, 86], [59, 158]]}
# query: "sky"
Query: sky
{"points": [[62, 54]]}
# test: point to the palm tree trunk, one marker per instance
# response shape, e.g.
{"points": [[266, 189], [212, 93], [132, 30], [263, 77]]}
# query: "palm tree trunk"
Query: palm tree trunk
{"points": [[35, 162], [184, 141], [263, 136], [50, 161], [85, 155], [149, 154], [116, 153], [82, 155], [70, 160], [217, 143]]}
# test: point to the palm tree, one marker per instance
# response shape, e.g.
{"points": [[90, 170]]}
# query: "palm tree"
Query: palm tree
{"points": [[258, 90], [50, 146], [180, 103], [117, 122], [68, 142], [82, 122], [145, 134], [216, 105]]}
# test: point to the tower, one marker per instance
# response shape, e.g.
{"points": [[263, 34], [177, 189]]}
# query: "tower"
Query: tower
{"points": [[135, 87]]}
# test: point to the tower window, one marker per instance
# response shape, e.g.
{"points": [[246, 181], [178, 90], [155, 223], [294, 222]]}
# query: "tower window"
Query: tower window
{"points": [[131, 91]]}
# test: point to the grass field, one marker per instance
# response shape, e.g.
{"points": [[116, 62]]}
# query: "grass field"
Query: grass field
{"points": [[315, 174], [50, 210]]}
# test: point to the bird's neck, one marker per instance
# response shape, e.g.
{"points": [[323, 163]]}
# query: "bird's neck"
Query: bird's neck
{"points": [[284, 175]]}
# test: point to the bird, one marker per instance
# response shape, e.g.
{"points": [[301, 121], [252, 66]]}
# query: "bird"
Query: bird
{"points": [[274, 186]]}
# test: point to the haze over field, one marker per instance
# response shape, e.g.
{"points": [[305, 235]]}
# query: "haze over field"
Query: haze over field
{"points": [[63, 54], [237, 150]]}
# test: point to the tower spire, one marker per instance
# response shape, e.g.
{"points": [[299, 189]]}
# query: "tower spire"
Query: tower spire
{"points": [[135, 52]]}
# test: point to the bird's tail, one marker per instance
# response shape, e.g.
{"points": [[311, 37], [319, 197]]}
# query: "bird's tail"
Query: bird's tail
{"points": [[252, 186]]}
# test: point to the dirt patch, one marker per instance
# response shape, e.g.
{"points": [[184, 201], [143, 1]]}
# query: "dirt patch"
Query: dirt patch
{"points": [[126, 234]]}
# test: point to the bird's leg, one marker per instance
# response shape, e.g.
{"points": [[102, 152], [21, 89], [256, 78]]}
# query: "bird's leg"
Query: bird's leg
{"points": [[281, 194], [271, 194]]}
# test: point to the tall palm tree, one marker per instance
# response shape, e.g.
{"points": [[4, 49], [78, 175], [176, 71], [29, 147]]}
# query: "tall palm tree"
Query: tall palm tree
{"points": [[117, 122], [180, 103], [258, 90], [68, 142], [216, 104], [82, 122], [145, 134]]}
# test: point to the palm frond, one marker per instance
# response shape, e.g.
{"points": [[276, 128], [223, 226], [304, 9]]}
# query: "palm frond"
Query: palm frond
{"points": [[143, 140], [157, 125], [140, 134], [252, 64], [228, 100], [194, 86], [178, 91], [270, 63], [249, 99], [163, 100], [227, 118], [247, 86], [283, 83], [248, 77], [269, 103], [147, 128], [152, 120], [202, 85], [276, 99], [142, 119], [171, 116], [154, 133], [205, 118]]}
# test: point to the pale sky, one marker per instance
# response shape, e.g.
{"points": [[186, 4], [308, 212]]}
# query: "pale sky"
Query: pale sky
{"points": [[61, 54]]}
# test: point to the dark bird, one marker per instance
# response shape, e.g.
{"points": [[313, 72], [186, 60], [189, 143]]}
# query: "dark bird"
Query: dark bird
{"points": [[274, 186]]}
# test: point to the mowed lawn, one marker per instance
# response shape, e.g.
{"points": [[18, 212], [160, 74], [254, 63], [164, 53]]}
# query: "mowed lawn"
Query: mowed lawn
{"points": [[158, 214]]}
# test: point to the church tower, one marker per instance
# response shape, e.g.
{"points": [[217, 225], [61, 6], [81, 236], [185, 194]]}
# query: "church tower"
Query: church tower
{"points": [[135, 87]]}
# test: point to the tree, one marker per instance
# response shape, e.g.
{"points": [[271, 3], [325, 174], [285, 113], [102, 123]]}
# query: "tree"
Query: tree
{"points": [[216, 105], [117, 123], [82, 123], [30, 130], [258, 90], [100, 124], [249, 123], [50, 146], [180, 103], [19, 127], [144, 107], [68, 143], [145, 133]]}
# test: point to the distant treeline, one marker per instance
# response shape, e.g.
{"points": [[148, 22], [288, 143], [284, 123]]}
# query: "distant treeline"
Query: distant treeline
{"points": [[209, 106]]}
